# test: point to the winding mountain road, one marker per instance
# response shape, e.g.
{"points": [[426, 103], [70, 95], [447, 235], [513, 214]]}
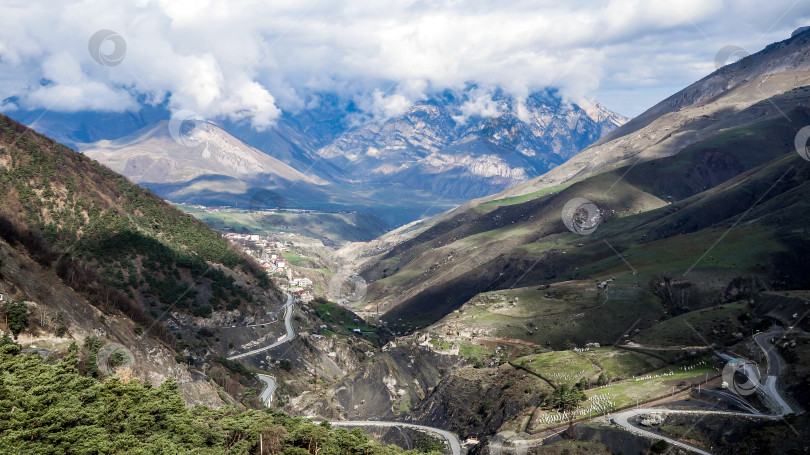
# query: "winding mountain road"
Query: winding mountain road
{"points": [[775, 367], [768, 388], [270, 382], [288, 337], [270, 387], [622, 418]]}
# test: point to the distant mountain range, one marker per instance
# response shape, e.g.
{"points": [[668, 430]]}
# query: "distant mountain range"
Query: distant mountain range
{"points": [[433, 156], [434, 147]]}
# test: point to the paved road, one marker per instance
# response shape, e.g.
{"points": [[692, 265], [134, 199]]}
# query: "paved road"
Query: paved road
{"points": [[775, 367], [455, 445], [290, 332], [622, 418], [731, 398], [775, 362], [269, 389], [270, 382]]}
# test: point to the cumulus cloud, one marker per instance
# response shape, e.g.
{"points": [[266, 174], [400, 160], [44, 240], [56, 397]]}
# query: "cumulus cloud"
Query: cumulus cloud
{"points": [[480, 104], [250, 60]]}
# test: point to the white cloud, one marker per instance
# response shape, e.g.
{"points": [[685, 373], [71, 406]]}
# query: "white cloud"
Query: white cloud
{"points": [[380, 106], [480, 104], [248, 59], [65, 88], [252, 102]]}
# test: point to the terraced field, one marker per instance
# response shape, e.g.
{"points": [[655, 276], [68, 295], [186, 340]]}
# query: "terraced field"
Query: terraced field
{"points": [[568, 367], [628, 392], [561, 367]]}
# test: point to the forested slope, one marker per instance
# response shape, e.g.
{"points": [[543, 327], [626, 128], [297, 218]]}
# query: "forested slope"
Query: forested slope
{"points": [[52, 409], [140, 245]]}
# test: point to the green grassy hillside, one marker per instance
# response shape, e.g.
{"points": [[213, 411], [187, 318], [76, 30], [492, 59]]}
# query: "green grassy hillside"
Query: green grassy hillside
{"points": [[671, 216], [138, 244]]}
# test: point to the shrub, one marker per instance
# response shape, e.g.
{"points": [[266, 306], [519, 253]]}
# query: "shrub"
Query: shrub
{"points": [[16, 314], [660, 447]]}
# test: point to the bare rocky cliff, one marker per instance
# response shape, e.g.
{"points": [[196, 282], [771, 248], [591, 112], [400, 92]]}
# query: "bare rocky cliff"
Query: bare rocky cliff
{"points": [[513, 142]]}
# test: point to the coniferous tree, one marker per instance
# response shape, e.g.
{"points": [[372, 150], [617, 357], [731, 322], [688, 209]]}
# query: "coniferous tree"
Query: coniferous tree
{"points": [[16, 314]]}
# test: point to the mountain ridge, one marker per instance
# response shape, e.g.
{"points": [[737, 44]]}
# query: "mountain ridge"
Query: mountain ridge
{"points": [[438, 153], [642, 139]]}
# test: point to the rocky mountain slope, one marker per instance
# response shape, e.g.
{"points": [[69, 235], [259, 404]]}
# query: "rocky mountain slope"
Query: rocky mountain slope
{"points": [[61, 315], [154, 156], [734, 95], [203, 164], [439, 146], [436, 154]]}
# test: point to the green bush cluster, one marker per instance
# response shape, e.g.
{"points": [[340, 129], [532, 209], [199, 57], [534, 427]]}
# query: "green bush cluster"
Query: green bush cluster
{"points": [[52, 409], [16, 315], [566, 397]]}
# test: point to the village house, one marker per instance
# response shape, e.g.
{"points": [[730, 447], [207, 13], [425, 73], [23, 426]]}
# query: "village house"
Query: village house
{"points": [[303, 282]]}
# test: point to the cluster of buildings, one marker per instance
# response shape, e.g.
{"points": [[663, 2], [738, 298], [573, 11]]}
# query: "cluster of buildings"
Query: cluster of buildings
{"points": [[300, 289], [270, 254]]}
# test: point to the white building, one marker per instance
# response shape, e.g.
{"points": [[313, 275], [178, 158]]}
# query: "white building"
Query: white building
{"points": [[303, 282]]}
